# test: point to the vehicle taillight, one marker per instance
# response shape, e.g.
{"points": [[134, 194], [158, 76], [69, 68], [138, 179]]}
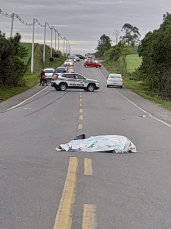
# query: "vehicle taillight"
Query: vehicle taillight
{"points": [[108, 78], [121, 79]]}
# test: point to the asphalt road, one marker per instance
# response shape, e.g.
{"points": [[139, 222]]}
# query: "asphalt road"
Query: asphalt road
{"points": [[43, 188]]}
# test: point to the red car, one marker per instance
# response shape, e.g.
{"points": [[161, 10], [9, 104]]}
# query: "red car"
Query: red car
{"points": [[91, 63]]}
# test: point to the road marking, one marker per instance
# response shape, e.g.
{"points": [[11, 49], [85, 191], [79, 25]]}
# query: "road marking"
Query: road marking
{"points": [[80, 126], [87, 166], [81, 117], [80, 104], [26, 99], [157, 119], [80, 100], [63, 218], [81, 110], [89, 216], [80, 96]]}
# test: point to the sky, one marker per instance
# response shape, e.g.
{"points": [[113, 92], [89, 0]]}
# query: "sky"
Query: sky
{"points": [[81, 22]]}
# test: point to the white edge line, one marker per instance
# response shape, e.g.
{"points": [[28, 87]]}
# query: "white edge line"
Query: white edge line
{"points": [[26, 100], [159, 120]]}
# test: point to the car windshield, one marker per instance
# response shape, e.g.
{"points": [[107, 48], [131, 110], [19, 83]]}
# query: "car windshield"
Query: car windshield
{"points": [[115, 76], [49, 71], [60, 70]]}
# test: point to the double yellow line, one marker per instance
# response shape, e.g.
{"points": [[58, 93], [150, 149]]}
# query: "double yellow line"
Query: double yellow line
{"points": [[63, 218]]}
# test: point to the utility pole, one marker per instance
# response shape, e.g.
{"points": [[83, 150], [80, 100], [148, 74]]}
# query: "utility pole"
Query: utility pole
{"points": [[32, 54], [58, 41], [55, 39], [63, 44], [12, 21], [44, 47], [51, 40], [66, 47]]}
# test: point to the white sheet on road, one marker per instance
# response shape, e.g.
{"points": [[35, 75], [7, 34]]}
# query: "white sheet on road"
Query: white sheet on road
{"points": [[115, 143]]}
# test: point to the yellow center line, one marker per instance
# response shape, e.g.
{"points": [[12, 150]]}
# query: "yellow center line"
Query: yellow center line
{"points": [[63, 218], [80, 126], [89, 217], [81, 110], [87, 166], [81, 117]]}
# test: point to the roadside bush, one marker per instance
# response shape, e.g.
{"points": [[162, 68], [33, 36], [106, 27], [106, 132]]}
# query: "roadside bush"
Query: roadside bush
{"points": [[11, 65]]}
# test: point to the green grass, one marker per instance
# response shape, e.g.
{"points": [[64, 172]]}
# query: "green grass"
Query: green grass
{"points": [[133, 61], [28, 47], [28, 82], [140, 89]]}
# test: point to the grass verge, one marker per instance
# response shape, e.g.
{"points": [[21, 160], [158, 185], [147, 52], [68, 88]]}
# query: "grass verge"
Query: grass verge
{"points": [[28, 81], [136, 86], [140, 89]]}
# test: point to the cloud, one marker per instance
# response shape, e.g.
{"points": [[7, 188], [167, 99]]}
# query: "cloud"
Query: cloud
{"points": [[80, 20]]}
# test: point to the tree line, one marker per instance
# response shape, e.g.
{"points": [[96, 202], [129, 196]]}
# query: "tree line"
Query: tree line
{"points": [[155, 51], [12, 67]]}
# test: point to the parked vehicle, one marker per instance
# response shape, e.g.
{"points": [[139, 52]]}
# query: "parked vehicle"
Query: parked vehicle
{"points": [[76, 81], [60, 70], [49, 73], [115, 80]]}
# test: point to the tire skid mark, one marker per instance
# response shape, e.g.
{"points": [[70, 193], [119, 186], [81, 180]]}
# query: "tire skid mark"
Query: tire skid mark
{"points": [[25, 103], [46, 105]]}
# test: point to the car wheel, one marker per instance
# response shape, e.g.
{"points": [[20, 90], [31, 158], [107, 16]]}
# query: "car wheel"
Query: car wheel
{"points": [[107, 85], [121, 86], [63, 86], [91, 87], [97, 66], [58, 89], [86, 66]]}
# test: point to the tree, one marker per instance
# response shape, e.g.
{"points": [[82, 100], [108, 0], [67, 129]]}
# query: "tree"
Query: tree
{"points": [[103, 45], [11, 65], [131, 36], [155, 50]]}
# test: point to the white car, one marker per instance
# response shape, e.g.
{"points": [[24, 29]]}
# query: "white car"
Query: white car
{"points": [[49, 73], [115, 80], [76, 81], [77, 58], [69, 62]]}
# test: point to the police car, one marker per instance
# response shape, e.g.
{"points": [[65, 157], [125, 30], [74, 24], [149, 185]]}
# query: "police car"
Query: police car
{"points": [[76, 81]]}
